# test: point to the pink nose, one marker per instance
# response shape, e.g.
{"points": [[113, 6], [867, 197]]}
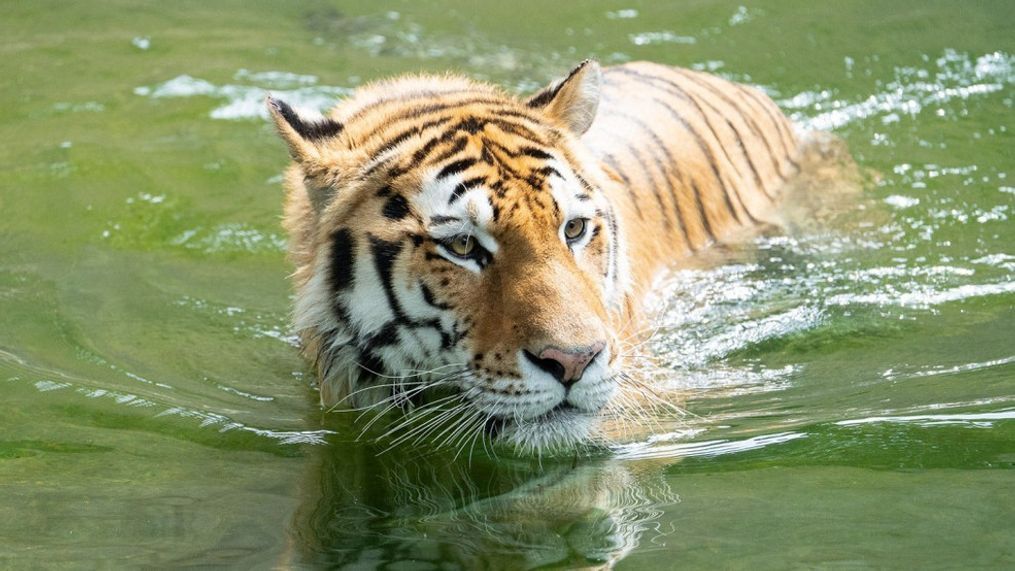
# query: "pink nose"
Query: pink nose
{"points": [[567, 365]]}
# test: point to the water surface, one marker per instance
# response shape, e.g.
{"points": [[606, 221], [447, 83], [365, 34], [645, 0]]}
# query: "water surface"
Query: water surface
{"points": [[850, 384]]}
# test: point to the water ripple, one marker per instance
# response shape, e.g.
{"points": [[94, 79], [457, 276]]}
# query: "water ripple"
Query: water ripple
{"points": [[706, 449], [978, 420]]}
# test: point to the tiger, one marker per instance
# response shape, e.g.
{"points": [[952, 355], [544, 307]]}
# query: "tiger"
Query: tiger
{"points": [[471, 257]]}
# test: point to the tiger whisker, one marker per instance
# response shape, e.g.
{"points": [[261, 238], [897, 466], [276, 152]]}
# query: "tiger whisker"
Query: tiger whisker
{"points": [[377, 415], [416, 416], [427, 426]]}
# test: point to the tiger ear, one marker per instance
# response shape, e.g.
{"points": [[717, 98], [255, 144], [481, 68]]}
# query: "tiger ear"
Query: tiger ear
{"points": [[573, 100], [303, 136]]}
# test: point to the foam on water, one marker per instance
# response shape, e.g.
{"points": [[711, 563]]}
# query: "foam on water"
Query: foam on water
{"points": [[247, 101], [251, 324], [664, 37], [953, 76], [231, 237]]}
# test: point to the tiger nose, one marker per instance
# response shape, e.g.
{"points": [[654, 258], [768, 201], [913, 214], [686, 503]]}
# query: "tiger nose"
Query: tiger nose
{"points": [[566, 365]]}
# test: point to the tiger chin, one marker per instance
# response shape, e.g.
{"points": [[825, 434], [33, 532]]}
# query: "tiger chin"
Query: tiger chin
{"points": [[476, 261]]}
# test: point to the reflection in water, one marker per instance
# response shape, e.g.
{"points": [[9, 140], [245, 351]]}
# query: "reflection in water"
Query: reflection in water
{"points": [[364, 508]]}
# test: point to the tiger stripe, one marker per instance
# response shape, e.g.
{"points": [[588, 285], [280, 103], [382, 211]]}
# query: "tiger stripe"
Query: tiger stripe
{"points": [[700, 104], [705, 149], [782, 133]]}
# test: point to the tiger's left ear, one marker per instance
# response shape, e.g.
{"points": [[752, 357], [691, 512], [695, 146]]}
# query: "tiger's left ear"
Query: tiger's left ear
{"points": [[573, 100], [303, 136]]}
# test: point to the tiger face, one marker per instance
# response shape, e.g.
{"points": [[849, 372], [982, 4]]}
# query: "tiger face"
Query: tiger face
{"points": [[457, 257]]}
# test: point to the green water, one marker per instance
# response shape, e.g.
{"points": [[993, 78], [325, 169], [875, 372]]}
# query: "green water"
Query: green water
{"points": [[851, 386]]}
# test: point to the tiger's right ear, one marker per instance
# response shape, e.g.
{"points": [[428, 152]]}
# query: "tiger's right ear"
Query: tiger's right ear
{"points": [[301, 135]]}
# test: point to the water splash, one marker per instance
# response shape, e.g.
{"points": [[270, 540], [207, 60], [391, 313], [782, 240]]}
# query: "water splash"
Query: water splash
{"points": [[230, 237], [664, 37], [247, 101], [954, 75]]}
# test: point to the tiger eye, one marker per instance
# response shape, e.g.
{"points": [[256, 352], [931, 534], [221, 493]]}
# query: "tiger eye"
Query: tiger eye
{"points": [[575, 228], [462, 245]]}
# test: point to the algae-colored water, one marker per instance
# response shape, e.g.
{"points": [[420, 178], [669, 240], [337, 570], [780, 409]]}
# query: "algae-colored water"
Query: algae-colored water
{"points": [[851, 385]]}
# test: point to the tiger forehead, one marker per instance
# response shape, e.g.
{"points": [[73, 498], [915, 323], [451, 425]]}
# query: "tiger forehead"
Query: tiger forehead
{"points": [[462, 146], [394, 123], [474, 187], [447, 167]]}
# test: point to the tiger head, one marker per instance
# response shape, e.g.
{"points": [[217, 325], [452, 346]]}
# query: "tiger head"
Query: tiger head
{"points": [[456, 255]]}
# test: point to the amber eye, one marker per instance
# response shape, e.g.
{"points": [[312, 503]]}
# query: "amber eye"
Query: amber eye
{"points": [[462, 245], [575, 228]]}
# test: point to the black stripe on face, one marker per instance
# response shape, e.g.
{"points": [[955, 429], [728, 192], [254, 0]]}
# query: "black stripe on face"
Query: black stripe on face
{"points": [[470, 125], [585, 184], [456, 167], [465, 186], [401, 138], [548, 171], [396, 208], [430, 300], [342, 259], [489, 157], [371, 363], [516, 113], [451, 151], [417, 113], [385, 253], [424, 151], [535, 153], [386, 336], [518, 130], [439, 219]]}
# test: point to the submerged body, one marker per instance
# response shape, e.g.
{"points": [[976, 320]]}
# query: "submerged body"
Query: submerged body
{"points": [[480, 260]]}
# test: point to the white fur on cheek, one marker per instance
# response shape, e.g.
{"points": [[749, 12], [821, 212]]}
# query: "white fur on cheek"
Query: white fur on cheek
{"points": [[313, 301], [367, 305]]}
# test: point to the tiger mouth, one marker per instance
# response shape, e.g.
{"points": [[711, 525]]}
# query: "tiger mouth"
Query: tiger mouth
{"points": [[497, 424], [561, 428]]}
